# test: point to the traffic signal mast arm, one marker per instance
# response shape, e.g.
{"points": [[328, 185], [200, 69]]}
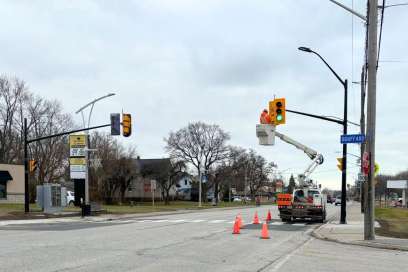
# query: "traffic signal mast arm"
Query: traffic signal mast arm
{"points": [[316, 158]]}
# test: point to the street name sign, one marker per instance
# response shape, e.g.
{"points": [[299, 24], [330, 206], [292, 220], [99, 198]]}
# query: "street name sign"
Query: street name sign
{"points": [[352, 138]]}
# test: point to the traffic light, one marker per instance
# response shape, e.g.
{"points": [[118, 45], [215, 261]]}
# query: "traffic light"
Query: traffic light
{"points": [[127, 124], [115, 123], [340, 164], [32, 165], [277, 111]]}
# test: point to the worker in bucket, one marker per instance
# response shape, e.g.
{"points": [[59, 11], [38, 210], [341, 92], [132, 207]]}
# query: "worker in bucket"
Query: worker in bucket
{"points": [[265, 118]]}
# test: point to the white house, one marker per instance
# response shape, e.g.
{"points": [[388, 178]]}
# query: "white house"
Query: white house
{"points": [[184, 183]]}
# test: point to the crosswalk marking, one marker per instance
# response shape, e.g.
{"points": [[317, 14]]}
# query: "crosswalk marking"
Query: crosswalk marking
{"points": [[207, 221]]}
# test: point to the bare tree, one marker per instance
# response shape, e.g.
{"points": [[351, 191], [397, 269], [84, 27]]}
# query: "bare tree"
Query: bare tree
{"points": [[117, 171], [199, 144], [167, 173], [12, 94]]}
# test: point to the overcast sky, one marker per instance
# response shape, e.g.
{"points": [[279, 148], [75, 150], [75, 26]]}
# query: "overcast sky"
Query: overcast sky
{"points": [[177, 61]]}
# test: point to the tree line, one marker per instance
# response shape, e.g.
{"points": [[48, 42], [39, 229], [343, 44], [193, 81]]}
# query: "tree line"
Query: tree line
{"points": [[196, 149]]}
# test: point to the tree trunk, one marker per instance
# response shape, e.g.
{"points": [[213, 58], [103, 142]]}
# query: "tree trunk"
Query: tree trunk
{"points": [[216, 192]]}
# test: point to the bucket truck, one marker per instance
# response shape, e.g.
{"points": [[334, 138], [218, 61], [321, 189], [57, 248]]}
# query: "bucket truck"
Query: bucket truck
{"points": [[307, 201]]}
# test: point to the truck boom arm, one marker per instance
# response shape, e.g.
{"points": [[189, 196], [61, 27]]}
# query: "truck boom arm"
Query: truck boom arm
{"points": [[310, 152], [317, 158]]}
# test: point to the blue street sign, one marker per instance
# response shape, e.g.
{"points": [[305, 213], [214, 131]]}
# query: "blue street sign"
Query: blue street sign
{"points": [[352, 138]]}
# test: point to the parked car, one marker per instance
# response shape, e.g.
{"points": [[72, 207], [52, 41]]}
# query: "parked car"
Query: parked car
{"points": [[70, 198], [236, 199], [338, 201]]}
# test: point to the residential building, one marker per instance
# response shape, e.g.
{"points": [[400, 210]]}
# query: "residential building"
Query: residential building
{"points": [[11, 183]]}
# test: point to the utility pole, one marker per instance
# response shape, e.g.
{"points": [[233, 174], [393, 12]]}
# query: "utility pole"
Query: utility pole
{"points": [[26, 187], [362, 131], [371, 115]]}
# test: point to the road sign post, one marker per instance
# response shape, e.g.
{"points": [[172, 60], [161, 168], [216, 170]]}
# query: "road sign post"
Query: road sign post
{"points": [[153, 189]]}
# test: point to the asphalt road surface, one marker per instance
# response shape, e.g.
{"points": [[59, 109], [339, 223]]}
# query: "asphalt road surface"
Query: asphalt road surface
{"points": [[199, 241]]}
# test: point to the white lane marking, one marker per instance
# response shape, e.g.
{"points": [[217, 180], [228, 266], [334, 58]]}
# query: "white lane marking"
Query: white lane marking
{"points": [[216, 221], [196, 221], [161, 221], [299, 224], [144, 221], [177, 220], [277, 223], [290, 255]]}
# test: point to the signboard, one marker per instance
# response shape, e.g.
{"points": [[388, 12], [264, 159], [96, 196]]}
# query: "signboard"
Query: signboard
{"points": [[77, 160], [77, 168], [153, 184], [77, 140], [352, 138], [397, 184], [366, 163], [77, 152]]}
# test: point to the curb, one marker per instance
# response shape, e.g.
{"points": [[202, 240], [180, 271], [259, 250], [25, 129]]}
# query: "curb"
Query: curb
{"points": [[315, 233]]}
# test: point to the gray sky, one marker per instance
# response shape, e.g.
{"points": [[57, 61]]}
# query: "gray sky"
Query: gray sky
{"points": [[173, 62]]}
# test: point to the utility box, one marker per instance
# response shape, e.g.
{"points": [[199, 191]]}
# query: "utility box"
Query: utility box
{"points": [[51, 197], [265, 134]]}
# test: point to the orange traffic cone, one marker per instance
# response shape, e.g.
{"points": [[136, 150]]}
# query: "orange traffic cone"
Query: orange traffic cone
{"points": [[236, 230], [240, 221], [269, 217], [256, 219], [265, 233]]}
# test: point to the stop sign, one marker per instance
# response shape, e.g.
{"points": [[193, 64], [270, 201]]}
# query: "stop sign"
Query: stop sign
{"points": [[366, 163]]}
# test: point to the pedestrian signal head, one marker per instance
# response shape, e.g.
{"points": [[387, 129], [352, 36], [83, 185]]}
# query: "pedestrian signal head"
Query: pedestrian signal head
{"points": [[115, 123]]}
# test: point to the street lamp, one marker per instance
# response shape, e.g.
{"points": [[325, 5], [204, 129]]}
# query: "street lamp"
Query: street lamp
{"points": [[92, 103], [344, 164]]}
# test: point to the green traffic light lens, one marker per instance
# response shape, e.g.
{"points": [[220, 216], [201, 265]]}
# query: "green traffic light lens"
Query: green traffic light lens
{"points": [[279, 117]]}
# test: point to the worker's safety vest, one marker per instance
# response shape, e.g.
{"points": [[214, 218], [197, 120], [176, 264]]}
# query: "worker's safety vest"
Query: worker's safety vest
{"points": [[265, 118]]}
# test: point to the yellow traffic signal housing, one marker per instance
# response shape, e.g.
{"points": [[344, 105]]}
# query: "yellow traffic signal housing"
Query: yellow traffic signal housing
{"points": [[32, 166], [272, 111], [340, 164], [127, 124], [277, 111]]}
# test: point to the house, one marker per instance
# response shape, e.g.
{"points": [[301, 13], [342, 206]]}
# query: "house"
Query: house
{"points": [[11, 183], [184, 187], [141, 187], [185, 182]]}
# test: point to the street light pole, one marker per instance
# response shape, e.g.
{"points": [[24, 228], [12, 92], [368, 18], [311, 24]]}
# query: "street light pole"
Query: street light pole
{"points": [[344, 123], [92, 103]]}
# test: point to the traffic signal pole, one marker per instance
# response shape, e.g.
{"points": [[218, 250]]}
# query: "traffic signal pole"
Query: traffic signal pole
{"points": [[27, 142], [26, 193]]}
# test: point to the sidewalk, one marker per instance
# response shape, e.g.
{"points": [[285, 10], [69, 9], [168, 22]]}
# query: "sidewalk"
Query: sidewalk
{"points": [[353, 232]]}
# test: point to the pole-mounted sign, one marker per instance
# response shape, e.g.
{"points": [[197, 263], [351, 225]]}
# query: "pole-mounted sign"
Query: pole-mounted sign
{"points": [[352, 139]]}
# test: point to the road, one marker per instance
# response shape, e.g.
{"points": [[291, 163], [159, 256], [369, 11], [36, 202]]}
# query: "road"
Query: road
{"points": [[199, 241]]}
